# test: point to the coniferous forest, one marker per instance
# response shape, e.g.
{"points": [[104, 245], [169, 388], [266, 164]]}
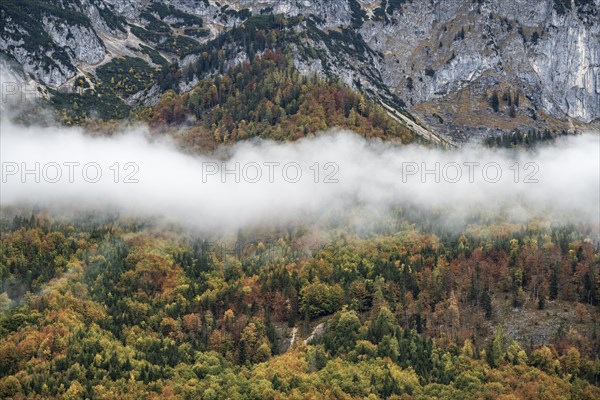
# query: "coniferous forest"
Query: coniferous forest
{"points": [[379, 291], [112, 308]]}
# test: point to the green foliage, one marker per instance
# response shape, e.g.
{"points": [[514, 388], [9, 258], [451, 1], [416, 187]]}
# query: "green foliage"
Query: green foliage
{"points": [[118, 79], [126, 76], [486, 304], [270, 98], [383, 325], [495, 102], [74, 108], [529, 139], [121, 308], [30, 256], [180, 45], [197, 33], [154, 55], [184, 19], [113, 20], [342, 332], [358, 14], [319, 298], [146, 35]]}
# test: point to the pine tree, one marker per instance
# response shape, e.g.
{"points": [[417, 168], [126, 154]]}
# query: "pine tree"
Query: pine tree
{"points": [[495, 102], [498, 346], [486, 303], [554, 285]]}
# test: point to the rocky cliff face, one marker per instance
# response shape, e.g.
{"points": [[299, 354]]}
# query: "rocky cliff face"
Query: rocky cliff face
{"points": [[539, 50], [443, 61]]}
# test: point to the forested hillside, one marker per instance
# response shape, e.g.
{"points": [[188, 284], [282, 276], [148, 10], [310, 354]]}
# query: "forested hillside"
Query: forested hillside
{"points": [[268, 98], [394, 265], [119, 309], [265, 98]]}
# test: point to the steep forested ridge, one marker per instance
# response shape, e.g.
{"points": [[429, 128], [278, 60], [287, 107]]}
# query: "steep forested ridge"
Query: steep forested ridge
{"points": [[268, 98], [119, 309]]}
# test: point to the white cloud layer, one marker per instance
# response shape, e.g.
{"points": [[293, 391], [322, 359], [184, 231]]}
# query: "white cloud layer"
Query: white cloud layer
{"points": [[370, 175]]}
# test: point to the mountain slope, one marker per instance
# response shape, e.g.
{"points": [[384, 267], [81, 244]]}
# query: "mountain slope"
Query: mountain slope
{"points": [[444, 62]]}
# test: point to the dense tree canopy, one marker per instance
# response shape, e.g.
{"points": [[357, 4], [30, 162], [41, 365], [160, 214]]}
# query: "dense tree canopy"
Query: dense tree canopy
{"points": [[268, 97], [118, 309]]}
